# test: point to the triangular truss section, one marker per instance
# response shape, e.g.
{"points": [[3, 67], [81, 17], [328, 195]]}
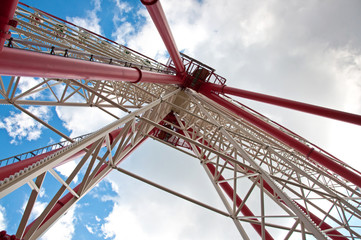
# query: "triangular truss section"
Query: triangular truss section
{"points": [[268, 188]]}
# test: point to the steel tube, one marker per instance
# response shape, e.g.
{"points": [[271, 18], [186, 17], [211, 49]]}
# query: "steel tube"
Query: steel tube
{"points": [[290, 141], [245, 210], [157, 14], [282, 102], [11, 169], [7, 10], [69, 196], [332, 233], [16, 62]]}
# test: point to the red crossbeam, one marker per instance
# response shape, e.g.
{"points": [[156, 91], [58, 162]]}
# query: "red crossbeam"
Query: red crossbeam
{"points": [[15, 62], [157, 14], [7, 11], [290, 141], [282, 102]]}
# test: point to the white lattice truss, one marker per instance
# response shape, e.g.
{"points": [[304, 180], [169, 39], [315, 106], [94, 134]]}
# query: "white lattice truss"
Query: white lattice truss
{"points": [[288, 195]]}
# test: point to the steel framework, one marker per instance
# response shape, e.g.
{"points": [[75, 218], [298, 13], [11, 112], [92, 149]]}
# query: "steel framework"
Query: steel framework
{"points": [[301, 191]]}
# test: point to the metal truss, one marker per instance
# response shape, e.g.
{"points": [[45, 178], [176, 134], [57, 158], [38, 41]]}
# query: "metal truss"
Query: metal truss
{"points": [[264, 187], [268, 188], [42, 32], [118, 140], [262, 183]]}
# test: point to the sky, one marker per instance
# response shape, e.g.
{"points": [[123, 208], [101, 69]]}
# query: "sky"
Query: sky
{"points": [[308, 51]]}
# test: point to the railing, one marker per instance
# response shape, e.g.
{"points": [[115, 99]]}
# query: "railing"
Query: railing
{"points": [[36, 152], [70, 53], [42, 32], [198, 72]]}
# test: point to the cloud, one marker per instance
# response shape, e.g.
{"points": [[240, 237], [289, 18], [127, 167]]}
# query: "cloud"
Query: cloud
{"points": [[84, 120], [63, 229], [122, 8], [89, 228], [67, 168], [3, 223], [307, 51], [115, 226], [26, 83], [140, 211], [21, 126], [36, 211], [91, 21]]}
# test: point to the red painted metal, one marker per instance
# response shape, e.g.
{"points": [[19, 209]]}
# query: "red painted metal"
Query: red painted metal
{"points": [[333, 234], [224, 185], [157, 14], [7, 10], [282, 102], [93, 33], [15, 62], [11, 169], [245, 210], [69, 196], [290, 141]]}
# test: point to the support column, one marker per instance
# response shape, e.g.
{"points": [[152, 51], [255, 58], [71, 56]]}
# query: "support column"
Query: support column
{"points": [[290, 141], [157, 14], [16, 62], [7, 11], [286, 103]]}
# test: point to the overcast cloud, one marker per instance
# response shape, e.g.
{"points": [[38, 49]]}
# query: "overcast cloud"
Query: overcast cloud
{"points": [[303, 50]]}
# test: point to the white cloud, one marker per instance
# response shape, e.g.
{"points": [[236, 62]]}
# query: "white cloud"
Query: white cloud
{"points": [[36, 211], [125, 227], [26, 83], [91, 21], [67, 168], [89, 228], [63, 229], [121, 9], [42, 192], [21, 126], [3, 223], [307, 51], [84, 120], [152, 214]]}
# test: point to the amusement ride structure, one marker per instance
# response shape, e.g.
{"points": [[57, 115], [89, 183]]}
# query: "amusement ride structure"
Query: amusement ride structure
{"points": [[302, 191]]}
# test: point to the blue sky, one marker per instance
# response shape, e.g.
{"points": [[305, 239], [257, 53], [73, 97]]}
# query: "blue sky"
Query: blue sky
{"points": [[307, 51]]}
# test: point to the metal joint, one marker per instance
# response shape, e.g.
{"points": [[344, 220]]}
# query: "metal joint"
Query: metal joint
{"points": [[10, 43], [140, 75], [13, 23], [148, 3]]}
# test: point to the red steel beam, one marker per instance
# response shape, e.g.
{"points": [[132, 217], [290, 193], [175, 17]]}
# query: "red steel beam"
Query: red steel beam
{"points": [[282, 102], [7, 10], [157, 14], [290, 141], [69, 196], [16, 62], [8, 170], [224, 185], [245, 210], [93, 33]]}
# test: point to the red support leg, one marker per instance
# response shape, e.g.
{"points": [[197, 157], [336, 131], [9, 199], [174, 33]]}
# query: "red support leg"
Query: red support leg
{"points": [[157, 14], [7, 10], [323, 160], [11, 169], [15, 62], [282, 102], [69, 196], [245, 210]]}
